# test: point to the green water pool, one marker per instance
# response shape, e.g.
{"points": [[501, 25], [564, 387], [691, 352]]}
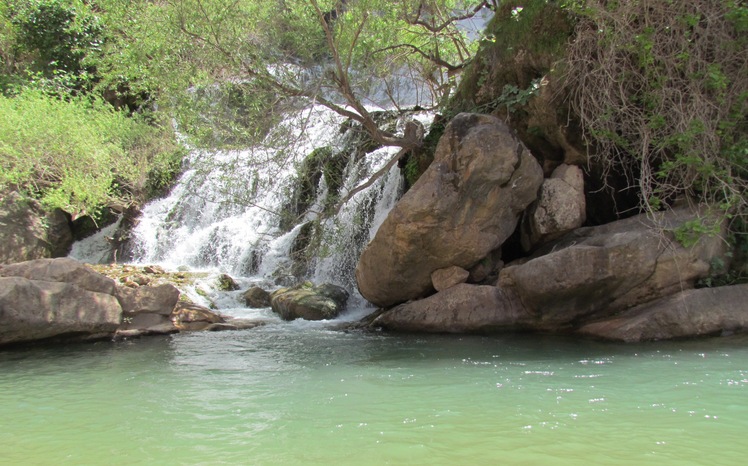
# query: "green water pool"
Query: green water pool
{"points": [[303, 394]]}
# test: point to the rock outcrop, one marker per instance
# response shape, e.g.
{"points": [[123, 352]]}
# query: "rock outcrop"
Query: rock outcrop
{"points": [[55, 298], [702, 312], [610, 268], [627, 280], [462, 308], [37, 310], [62, 299], [29, 232], [306, 301], [464, 206]]}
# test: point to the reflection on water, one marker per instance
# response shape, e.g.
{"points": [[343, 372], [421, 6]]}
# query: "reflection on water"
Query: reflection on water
{"points": [[305, 394]]}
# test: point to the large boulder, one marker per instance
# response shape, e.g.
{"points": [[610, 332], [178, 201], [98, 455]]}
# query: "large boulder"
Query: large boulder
{"points": [[37, 309], [602, 270], [60, 270], [706, 311], [306, 301], [463, 207], [461, 308], [28, 231]]}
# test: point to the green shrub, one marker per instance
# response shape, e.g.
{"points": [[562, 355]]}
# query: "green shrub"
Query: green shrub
{"points": [[76, 154]]}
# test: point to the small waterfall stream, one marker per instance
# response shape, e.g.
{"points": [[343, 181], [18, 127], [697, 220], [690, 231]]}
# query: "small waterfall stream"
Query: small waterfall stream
{"points": [[224, 214]]}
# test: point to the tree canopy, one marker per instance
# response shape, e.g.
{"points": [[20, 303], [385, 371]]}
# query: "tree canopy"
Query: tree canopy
{"points": [[328, 52]]}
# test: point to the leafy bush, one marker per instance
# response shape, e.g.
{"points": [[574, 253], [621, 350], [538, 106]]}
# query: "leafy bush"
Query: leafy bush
{"points": [[76, 154]]}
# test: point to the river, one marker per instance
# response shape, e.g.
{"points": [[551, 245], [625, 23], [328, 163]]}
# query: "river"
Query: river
{"points": [[305, 393]]}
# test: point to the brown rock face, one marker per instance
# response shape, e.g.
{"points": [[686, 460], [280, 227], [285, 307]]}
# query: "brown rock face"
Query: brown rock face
{"points": [[36, 309], [606, 269], [449, 277], [463, 207], [256, 297], [462, 308], [706, 311], [60, 270], [559, 209], [27, 232]]}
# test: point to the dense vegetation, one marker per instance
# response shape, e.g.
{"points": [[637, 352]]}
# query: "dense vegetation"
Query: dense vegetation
{"points": [[224, 70], [658, 89], [66, 137]]}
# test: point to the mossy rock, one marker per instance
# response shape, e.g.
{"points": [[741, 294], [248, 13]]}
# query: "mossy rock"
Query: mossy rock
{"points": [[310, 302]]}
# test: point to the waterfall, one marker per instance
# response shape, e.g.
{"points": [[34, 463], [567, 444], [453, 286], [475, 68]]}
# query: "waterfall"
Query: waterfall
{"points": [[225, 212]]}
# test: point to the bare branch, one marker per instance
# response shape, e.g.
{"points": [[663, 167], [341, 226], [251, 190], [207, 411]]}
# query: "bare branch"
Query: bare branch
{"points": [[416, 20]]}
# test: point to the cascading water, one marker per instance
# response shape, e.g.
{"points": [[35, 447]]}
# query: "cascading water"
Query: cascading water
{"points": [[225, 213]]}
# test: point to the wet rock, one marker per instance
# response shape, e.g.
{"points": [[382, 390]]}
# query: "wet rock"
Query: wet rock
{"points": [[191, 317], [309, 302], [226, 283], [256, 298], [463, 207]]}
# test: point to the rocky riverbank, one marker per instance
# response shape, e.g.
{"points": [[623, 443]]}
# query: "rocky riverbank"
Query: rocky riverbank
{"points": [[435, 264], [64, 300]]}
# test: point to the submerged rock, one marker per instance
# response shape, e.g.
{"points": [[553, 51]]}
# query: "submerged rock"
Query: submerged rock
{"points": [[463, 207], [309, 302]]}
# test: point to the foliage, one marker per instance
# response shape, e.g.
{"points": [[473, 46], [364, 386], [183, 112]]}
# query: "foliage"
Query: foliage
{"points": [[54, 37], [77, 154], [662, 92], [291, 51]]}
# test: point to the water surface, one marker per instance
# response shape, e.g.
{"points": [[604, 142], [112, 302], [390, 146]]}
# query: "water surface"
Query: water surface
{"points": [[303, 393]]}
